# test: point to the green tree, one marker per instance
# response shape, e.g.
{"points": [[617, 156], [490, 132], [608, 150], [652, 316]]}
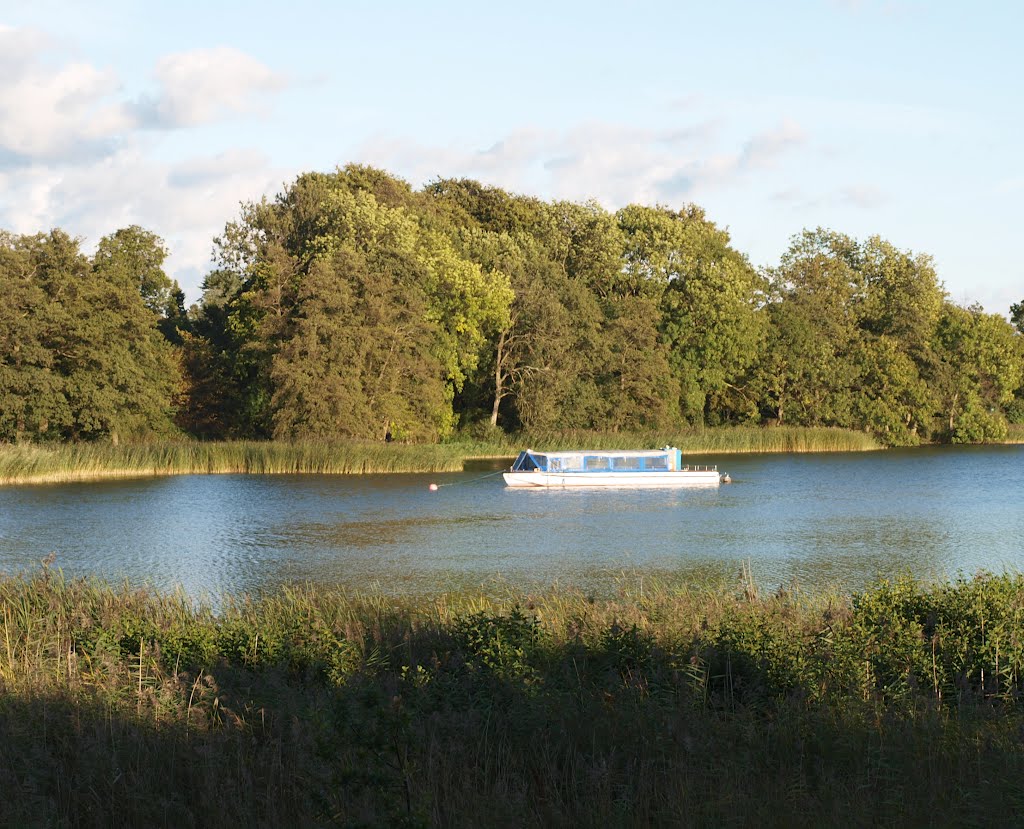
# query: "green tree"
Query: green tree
{"points": [[32, 400], [357, 358], [539, 364], [711, 303], [455, 304], [808, 373], [898, 316], [977, 371], [1017, 316], [86, 359]]}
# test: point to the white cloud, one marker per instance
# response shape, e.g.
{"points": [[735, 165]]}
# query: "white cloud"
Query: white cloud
{"points": [[614, 164], [185, 203], [49, 112], [74, 154], [862, 195], [206, 84], [765, 147], [57, 110]]}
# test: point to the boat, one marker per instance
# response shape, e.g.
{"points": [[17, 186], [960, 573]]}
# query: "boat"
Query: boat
{"points": [[618, 468]]}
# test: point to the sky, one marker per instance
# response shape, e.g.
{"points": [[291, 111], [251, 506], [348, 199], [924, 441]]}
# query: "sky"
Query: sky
{"points": [[897, 118]]}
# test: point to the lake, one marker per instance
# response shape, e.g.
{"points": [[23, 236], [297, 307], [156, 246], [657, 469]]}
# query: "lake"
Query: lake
{"points": [[816, 520]]}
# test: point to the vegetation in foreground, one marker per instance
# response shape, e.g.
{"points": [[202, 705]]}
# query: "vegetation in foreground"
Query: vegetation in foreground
{"points": [[672, 705], [51, 463]]}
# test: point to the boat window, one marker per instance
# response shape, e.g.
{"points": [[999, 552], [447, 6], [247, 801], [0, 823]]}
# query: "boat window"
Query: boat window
{"points": [[626, 464], [527, 462], [595, 462], [657, 462]]}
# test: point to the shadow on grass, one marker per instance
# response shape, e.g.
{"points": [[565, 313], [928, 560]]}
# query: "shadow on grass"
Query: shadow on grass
{"points": [[127, 709], [481, 750]]}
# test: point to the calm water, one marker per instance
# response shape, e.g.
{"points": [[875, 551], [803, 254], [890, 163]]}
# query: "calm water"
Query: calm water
{"points": [[815, 519]]}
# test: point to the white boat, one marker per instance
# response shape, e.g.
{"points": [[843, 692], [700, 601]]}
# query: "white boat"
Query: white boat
{"points": [[620, 468]]}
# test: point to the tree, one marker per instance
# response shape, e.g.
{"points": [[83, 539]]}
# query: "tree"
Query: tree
{"points": [[357, 358], [710, 304], [539, 365], [32, 400], [140, 254], [86, 360], [808, 373], [898, 314], [978, 370], [1017, 316], [277, 248]]}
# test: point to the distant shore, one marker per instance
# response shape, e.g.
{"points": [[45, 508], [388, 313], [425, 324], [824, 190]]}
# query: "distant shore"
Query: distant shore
{"points": [[60, 463]]}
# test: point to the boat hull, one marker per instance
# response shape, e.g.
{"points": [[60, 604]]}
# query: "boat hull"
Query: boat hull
{"points": [[550, 480]]}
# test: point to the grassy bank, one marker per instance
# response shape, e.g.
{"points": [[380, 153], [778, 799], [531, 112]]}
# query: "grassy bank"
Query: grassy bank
{"points": [[1015, 433], [666, 706]]}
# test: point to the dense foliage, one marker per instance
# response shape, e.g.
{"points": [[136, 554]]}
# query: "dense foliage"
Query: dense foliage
{"points": [[664, 706], [354, 306], [81, 353]]}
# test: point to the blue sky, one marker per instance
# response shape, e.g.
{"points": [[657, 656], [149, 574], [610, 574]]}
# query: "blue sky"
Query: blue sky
{"points": [[901, 119]]}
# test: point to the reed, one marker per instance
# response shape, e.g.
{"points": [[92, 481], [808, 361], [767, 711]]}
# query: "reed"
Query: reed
{"points": [[723, 440], [56, 463], [28, 463], [665, 703], [1015, 433]]}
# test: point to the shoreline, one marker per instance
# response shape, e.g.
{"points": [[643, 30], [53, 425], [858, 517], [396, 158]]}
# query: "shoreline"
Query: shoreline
{"points": [[25, 464]]}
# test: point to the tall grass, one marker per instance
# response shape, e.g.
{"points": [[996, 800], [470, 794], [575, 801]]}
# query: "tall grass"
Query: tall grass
{"points": [[1015, 433], [55, 463], [71, 462], [667, 704], [722, 440]]}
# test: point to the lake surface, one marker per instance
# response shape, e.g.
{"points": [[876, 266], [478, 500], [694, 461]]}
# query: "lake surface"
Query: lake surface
{"points": [[816, 520]]}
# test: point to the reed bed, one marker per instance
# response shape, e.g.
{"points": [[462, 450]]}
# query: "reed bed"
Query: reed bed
{"points": [[51, 463], [57, 463], [1015, 433], [665, 704], [724, 440]]}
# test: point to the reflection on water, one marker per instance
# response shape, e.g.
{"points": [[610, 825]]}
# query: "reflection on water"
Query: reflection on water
{"points": [[817, 520]]}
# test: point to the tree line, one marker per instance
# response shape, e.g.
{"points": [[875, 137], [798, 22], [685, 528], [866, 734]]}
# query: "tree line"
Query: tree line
{"points": [[355, 306]]}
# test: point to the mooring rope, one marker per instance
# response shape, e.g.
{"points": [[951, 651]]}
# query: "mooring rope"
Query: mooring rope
{"points": [[435, 487]]}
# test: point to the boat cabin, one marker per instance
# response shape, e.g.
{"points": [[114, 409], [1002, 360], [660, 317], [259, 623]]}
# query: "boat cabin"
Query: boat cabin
{"points": [[668, 459]]}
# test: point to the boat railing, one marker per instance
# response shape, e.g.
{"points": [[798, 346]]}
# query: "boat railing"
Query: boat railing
{"points": [[690, 467]]}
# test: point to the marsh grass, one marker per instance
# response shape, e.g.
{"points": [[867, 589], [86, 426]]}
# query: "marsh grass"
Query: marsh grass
{"points": [[57, 463], [28, 463], [665, 704], [703, 441], [1015, 433]]}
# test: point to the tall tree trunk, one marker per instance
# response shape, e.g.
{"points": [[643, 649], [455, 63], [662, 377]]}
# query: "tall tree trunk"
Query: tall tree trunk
{"points": [[499, 379]]}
